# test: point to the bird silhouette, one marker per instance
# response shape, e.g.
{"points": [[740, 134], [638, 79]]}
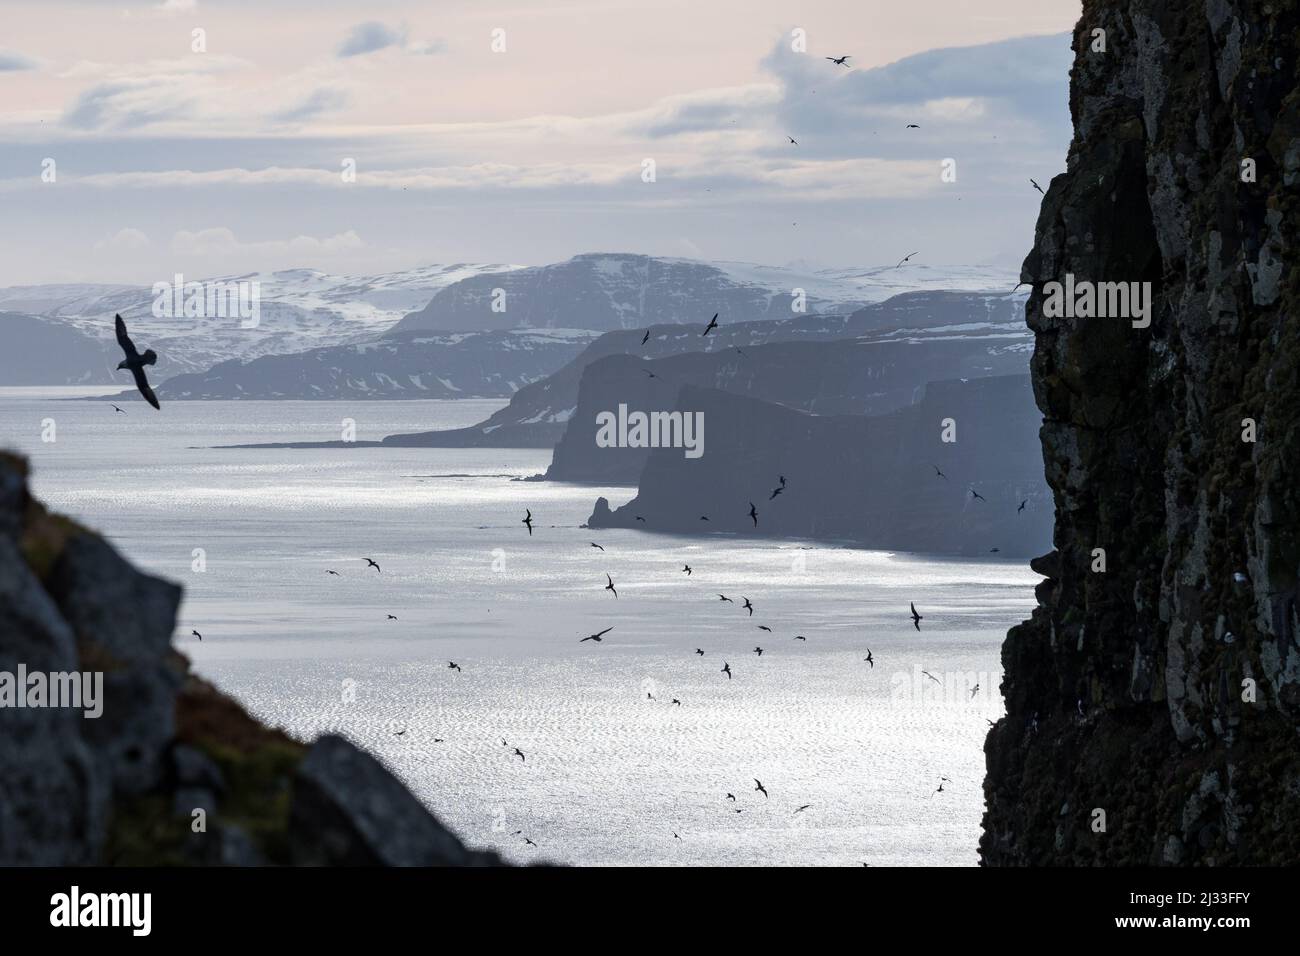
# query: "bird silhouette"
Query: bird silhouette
{"points": [[598, 547], [371, 563], [974, 690], [686, 569], [748, 606], [726, 669], [723, 597], [677, 702], [800, 637], [759, 788], [731, 797], [328, 571], [933, 678], [758, 651], [1022, 506], [528, 520], [713, 324], [392, 617], [1036, 186], [912, 126], [116, 409], [610, 585], [452, 665], [976, 494], [764, 627], [781, 478], [699, 652], [135, 362], [197, 634], [775, 491], [938, 472], [916, 618], [839, 60], [520, 754], [598, 636], [905, 259], [806, 806], [792, 140], [753, 513], [528, 842], [869, 659], [645, 338]]}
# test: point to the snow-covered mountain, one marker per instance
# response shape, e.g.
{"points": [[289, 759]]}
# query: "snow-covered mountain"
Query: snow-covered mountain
{"points": [[299, 309], [608, 291]]}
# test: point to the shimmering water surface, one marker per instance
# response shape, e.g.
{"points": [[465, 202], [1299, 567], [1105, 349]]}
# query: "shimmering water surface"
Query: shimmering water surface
{"points": [[614, 769]]}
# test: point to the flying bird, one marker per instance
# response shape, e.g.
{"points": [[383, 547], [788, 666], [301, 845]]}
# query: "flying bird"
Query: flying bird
{"points": [[1036, 186], [713, 324], [806, 806], [529, 842], [645, 338], [764, 627], [135, 362], [781, 478], [776, 491], [869, 659], [371, 563], [528, 520], [912, 126], [938, 472], [677, 702], [792, 140], [686, 569], [610, 585], [974, 690], [520, 754], [197, 634], [452, 665], [1022, 506], [753, 513], [116, 409], [726, 669], [758, 651], [759, 787], [723, 597], [598, 636], [749, 606], [976, 494], [392, 617], [916, 618], [699, 652], [906, 258], [839, 60], [933, 678], [704, 517], [328, 571], [731, 797], [596, 546], [639, 518], [800, 637]]}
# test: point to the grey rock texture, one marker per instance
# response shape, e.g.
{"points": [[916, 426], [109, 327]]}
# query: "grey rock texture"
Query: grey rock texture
{"points": [[866, 480], [1166, 690], [169, 750]]}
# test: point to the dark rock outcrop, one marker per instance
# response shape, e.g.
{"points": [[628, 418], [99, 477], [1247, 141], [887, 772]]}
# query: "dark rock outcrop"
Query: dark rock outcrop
{"points": [[126, 786], [868, 480], [1164, 691]]}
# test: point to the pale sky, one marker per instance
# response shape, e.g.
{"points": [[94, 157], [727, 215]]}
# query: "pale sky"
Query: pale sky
{"points": [[229, 158]]}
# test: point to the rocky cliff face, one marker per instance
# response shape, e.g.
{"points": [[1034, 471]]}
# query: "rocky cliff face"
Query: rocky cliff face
{"points": [[170, 771], [1164, 691]]}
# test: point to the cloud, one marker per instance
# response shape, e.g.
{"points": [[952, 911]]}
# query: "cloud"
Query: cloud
{"points": [[14, 62], [426, 47], [221, 243], [127, 239], [370, 37], [314, 104]]}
